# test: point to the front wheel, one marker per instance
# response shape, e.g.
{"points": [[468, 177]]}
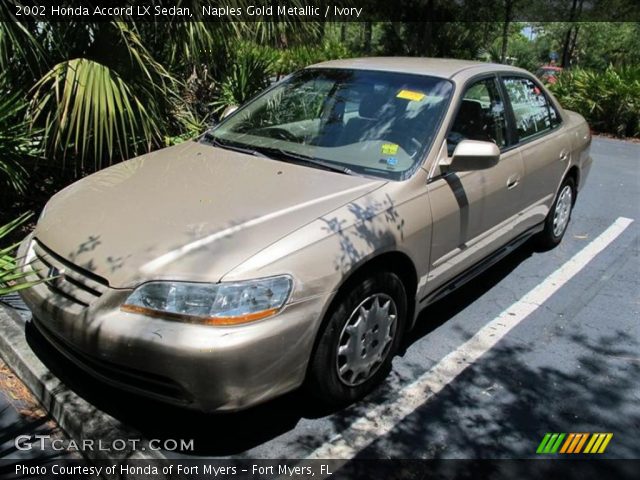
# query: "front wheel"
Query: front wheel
{"points": [[359, 340], [558, 218]]}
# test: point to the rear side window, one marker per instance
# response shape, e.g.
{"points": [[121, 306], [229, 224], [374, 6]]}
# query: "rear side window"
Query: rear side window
{"points": [[533, 113]]}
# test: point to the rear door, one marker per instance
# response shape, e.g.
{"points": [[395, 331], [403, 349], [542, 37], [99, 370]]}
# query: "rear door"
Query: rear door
{"points": [[542, 142]]}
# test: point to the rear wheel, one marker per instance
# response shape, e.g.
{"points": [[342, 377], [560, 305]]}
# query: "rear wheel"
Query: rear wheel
{"points": [[359, 340], [558, 218]]}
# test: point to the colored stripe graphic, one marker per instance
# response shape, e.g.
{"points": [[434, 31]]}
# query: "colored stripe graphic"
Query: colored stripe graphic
{"points": [[550, 443], [567, 443], [543, 443], [594, 437], [556, 445], [606, 441], [576, 439], [597, 443], [581, 443]]}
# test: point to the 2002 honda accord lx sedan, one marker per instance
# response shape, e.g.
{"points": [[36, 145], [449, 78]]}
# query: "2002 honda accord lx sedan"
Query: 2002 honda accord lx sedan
{"points": [[296, 241]]}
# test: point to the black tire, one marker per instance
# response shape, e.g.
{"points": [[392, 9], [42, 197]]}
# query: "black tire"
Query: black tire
{"points": [[323, 380], [549, 238]]}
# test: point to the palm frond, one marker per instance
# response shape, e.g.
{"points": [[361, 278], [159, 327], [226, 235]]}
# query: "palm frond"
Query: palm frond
{"points": [[17, 140], [18, 45], [155, 72], [85, 105]]}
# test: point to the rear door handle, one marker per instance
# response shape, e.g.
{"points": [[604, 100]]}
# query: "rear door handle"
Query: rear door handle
{"points": [[513, 181], [564, 155]]}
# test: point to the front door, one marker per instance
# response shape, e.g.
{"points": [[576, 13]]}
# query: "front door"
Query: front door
{"points": [[474, 212]]}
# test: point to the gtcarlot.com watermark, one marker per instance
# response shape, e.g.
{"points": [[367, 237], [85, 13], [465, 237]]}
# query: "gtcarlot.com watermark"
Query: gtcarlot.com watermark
{"points": [[45, 442]]}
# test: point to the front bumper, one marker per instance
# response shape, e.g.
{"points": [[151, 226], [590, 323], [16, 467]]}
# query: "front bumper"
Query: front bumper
{"points": [[201, 367]]}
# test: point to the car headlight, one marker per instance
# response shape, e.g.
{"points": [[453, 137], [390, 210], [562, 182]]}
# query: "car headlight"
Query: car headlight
{"points": [[211, 304]]}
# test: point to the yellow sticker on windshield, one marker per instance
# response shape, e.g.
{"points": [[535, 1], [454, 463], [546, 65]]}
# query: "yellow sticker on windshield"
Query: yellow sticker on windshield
{"points": [[389, 148], [410, 95]]}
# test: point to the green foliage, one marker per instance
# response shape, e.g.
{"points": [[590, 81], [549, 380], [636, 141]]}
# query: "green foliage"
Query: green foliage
{"points": [[597, 44], [521, 51], [105, 91], [609, 100], [103, 108], [292, 59], [463, 40], [17, 142], [19, 47], [12, 278], [251, 67], [248, 72], [88, 107]]}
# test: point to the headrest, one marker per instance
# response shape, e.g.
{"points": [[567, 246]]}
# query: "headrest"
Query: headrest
{"points": [[470, 109]]}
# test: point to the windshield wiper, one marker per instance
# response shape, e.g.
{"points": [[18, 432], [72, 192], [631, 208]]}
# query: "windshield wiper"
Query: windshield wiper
{"points": [[217, 143], [287, 156], [278, 154]]}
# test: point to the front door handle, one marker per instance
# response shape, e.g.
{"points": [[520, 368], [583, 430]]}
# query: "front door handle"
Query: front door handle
{"points": [[513, 181]]}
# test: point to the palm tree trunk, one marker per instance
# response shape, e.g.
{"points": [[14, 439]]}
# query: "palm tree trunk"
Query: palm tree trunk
{"points": [[566, 48], [508, 7]]}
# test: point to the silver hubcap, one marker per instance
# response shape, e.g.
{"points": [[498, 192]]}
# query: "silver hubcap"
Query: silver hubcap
{"points": [[366, 339], [562, 211]]}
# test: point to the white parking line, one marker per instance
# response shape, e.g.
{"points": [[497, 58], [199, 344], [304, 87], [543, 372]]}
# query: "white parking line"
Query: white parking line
{"points": [[381, 419]]}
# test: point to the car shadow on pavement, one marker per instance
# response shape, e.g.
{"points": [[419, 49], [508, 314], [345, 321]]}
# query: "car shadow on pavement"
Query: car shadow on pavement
{"points": [[439, 312], [502, 406], [235, 433]]}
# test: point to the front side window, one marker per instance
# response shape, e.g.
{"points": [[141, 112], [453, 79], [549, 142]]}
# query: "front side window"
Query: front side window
{"points": [[480, 116], [364, 122], [533, 114]]}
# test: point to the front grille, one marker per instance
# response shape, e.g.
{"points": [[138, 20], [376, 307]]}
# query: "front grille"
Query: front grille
{"points": [[74, 283]]}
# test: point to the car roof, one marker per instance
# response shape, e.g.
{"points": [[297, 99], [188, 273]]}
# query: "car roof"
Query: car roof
{"points": [[437, 67]]}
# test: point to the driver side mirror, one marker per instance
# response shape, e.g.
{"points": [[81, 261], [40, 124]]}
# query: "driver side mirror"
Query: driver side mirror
{"points": [[474, 155], [228, 111]]}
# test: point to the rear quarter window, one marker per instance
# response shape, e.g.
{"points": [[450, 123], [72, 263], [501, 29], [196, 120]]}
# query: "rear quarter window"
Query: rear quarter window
{"points": [[534, 115]]}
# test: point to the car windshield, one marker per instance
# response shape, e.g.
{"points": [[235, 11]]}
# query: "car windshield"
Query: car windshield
{"points": [[354, 121], [547, 71]]}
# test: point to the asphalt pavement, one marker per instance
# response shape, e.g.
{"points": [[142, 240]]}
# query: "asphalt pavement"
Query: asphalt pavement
{"points": [[571, 364]]}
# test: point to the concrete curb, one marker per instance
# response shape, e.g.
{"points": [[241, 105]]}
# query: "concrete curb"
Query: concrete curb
{"points": [[77, 417]]}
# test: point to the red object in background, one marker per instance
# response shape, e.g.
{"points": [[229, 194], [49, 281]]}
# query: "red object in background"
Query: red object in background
{"points": [[549, 73]]}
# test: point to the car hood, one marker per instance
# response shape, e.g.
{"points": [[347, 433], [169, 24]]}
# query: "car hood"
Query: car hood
{"points": [[189, 212]]}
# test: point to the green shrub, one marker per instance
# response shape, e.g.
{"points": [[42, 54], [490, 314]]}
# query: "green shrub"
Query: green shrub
{"points": [[12, 278], [249, 68], [609, 100], [292, 59]]}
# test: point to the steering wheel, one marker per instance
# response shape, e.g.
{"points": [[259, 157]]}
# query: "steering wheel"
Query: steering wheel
{"points": [[282, 134]]}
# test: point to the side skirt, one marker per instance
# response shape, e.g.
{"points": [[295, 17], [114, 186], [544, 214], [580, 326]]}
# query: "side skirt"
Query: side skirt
{"points": [[479, 267]]}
